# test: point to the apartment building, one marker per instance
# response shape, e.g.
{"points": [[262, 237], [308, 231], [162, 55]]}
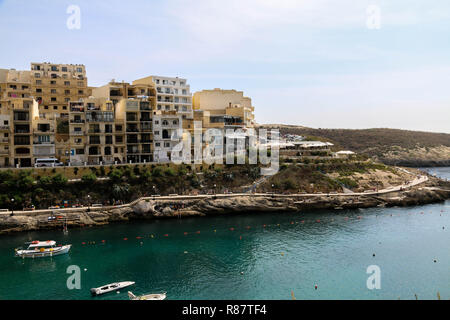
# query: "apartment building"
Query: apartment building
{"points": [[134, 105], [54, 85], [173, 108], [96, 135], [228, 108]]}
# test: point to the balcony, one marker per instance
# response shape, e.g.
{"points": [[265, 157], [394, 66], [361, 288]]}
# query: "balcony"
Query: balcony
{"points": [[77, 121], [4, 127], [76, 133]]}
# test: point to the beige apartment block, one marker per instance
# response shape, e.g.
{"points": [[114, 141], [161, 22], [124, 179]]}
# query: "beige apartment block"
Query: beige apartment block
{"points": [[19, 114], [54, 85], [96, 135], [228, 108], [137, 116], [134, 106]]}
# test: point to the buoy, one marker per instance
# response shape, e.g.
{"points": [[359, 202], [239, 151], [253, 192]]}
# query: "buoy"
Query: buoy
{"points": [[185, 233], [142, 243], [231, 229], [282, 253], [242, 273], [125, 239], [198, 232], [318, 220], [214, 230], [435, 260], [151, 236], [103, 241], [185, 252], [278, 224], [83, 243], [292, 222], [373, 255], [315, 287], [85, 269], [264, 225], [166, 235], [138, 237], [303, 221], [248, 227], [240, 238], [359, 217]]}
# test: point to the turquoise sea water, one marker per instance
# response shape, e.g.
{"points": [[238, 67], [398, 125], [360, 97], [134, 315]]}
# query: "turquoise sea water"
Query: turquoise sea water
{"points": [[277, 253]]}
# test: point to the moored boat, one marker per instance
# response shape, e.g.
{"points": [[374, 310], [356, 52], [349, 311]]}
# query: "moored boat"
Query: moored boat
{"points": [[153, 296], [39, 249], [111, 287]]}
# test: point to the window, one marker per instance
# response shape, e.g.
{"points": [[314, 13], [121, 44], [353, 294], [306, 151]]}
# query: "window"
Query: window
{"points": [[67, 83], [55, 107], [80, 91], [65, 107], [46, 107], [38, 90], [37, 75], [66, 91], [167, 144], [79, 69], [52, 82], [53, 99], [54, 68], [38, 82], [156, 121], [65, 75], [53, 91], [118, 128], [80, 151], [80, 83], [64, 69], [157, 144]]}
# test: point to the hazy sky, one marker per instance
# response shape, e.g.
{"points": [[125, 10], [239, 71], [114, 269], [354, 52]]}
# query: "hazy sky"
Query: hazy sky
{"points": [[307, 62]]}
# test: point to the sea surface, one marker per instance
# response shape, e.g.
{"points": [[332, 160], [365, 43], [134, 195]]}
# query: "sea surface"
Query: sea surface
{"points": [[249, 256]]}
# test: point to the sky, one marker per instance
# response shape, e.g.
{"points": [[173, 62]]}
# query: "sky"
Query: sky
{"points": [[316, 63]]}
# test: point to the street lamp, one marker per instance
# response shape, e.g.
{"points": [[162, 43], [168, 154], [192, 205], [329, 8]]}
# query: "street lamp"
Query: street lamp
{"points": [[215, 189], [12, 209], [89, 202]]}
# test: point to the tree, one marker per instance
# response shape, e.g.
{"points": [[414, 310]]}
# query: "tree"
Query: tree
{"points": [[89, 178]]}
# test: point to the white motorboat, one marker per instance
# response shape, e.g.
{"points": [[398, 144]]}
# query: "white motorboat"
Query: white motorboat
{"points": [[154, 296], [111, 287], [39, 249]]}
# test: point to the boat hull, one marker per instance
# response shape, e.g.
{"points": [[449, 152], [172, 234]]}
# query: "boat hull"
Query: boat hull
{"points": [[47, 253]]}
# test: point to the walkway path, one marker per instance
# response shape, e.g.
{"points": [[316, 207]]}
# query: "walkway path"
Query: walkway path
{"points": [[415, 182]]}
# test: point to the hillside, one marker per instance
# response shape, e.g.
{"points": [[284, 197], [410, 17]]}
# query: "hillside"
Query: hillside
{"points": [[391, 146]]}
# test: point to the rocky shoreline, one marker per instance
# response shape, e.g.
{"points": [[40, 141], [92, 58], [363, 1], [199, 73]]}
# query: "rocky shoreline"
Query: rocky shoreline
{"points": [[155, 208]]}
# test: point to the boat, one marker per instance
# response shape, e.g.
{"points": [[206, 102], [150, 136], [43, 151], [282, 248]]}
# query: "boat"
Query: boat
{"points": [[153, 296], [39, 249], [111, 287]]}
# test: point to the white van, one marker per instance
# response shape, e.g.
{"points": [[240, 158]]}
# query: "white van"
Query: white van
{"points": [[48, 162]]}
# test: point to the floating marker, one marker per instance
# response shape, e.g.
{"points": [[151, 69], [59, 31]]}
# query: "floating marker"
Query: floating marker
{"points": [[214, 231], [198, 232], [318, 220], [315, 287], [185, 252], [264, 225], [292, 222], [151, 236], [185, 233], [247, 227], [103, 241], [166, 235], [231, 229], [83, 243], [125, 239], [240, 238], [303, 221]]}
